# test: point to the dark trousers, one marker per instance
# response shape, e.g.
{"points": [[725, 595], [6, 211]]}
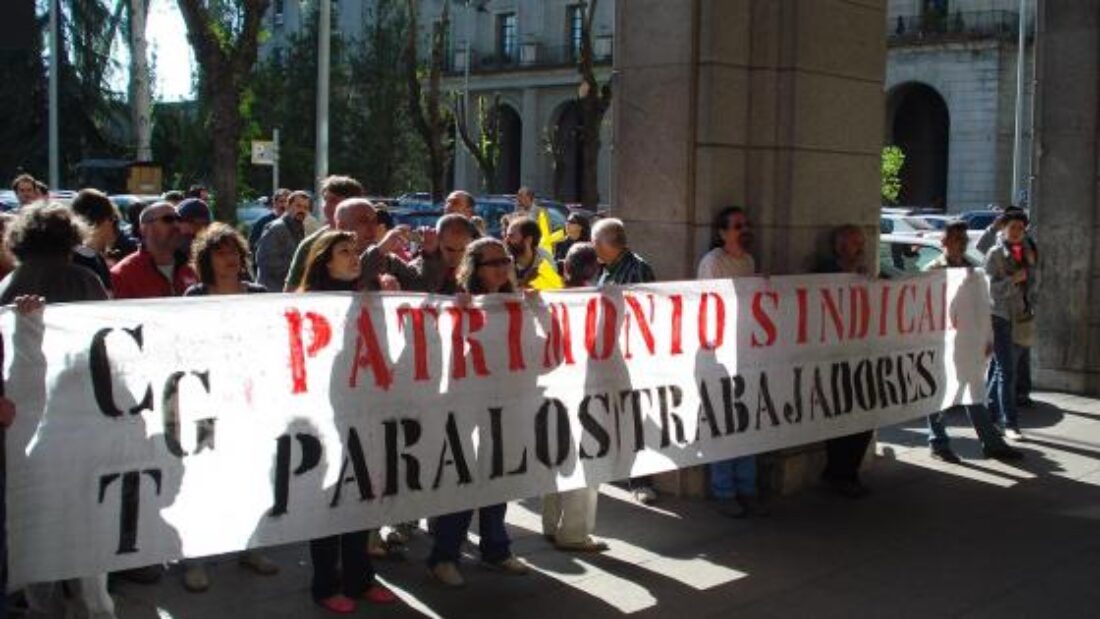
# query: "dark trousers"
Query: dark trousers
{"points": [[1023, 373], [1001, 378], [844, 454], [450, 531], [340, 565]]}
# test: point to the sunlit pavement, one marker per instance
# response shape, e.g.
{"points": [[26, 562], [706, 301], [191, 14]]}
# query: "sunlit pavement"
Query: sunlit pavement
{"points": [[980, 539]]}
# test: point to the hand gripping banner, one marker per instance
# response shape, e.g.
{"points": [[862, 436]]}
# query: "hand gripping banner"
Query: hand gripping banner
{"points": [[152, 430]]}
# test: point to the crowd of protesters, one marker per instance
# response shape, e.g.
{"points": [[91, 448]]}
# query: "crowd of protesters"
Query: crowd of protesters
{"points": [[53, 253]]}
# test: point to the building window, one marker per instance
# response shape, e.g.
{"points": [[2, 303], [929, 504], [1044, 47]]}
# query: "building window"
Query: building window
{"points": [[575, 17], [507, 47], [277, 9]]}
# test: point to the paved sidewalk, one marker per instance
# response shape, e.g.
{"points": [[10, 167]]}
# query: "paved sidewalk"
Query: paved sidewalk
{"points": [[981, 539]]}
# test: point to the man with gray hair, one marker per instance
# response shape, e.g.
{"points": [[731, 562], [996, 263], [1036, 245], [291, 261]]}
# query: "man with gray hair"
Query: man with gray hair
{"points": [[620, 265]]}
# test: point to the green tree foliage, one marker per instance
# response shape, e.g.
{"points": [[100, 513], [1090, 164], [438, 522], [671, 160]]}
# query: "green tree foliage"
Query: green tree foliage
{"points": [[224, 35], [91, 116], [371, 136], [892, 161], [485, 146]]}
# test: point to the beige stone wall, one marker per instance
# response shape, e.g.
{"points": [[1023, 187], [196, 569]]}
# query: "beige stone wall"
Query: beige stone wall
{"points": [[775, 105]]}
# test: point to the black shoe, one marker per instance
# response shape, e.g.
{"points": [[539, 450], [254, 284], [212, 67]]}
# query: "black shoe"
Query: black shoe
{"points": [[849, 489], [1024, 402], [1003, 452], [944, 454], [731, 508], [754, 506]]}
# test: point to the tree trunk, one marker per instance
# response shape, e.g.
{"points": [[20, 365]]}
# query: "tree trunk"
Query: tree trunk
{"points": [[225, 124], [590, 154], [140, 106]]}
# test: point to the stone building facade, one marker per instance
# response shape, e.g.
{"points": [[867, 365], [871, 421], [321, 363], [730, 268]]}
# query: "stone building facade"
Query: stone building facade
{"points": [[950, 99], [521, 53]]}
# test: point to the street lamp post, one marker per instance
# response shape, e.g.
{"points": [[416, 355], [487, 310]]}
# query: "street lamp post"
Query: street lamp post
{"points": [[55, 67], [324, 35], [1018, 138]]}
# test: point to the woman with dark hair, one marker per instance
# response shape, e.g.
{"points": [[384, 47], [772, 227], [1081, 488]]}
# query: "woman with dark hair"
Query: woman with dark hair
{"points": [[42, 238], [98, 213], [220, 256], [342, 569], [578, 229], [486, 268]]}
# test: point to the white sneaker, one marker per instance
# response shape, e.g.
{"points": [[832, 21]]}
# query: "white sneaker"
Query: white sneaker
{"points": [[195, 579], [1013, 434], [447, 574], [645, 495]]}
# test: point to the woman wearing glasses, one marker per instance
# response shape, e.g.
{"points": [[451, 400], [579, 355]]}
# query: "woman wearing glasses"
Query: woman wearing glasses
{"points": [[486, 268]]}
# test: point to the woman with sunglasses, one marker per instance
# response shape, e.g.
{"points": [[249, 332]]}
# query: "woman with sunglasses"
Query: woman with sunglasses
{"points": [[342, 569], [486, 268]]}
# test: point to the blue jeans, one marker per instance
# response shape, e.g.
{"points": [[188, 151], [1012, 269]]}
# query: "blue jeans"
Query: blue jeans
{"points": [[450, 531], [730, 478], [979, 418], [1000, 388]]}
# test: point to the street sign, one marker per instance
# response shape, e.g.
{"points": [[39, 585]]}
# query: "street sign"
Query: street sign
{"points": [[263, 152]]}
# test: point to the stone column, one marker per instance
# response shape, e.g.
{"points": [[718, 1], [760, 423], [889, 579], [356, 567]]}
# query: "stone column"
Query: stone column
{"points": [[1066, 212], [776, 105]]}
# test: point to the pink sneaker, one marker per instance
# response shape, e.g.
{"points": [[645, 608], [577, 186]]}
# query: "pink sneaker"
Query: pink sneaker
{"points": [[339, 604], [377, 594]]}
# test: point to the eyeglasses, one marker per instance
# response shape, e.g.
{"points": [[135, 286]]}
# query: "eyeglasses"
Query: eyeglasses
{"points": [[168, 219], [498, 262], [738, 226]]}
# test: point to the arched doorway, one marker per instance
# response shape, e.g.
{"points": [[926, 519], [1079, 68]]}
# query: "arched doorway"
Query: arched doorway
{"points": [[919, 123], [568, 153], [511, 149]]}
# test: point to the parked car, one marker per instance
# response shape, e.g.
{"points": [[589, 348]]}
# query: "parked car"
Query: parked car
{"points": [[890, 223], [902, 255], [979, 220], [417, 209]]}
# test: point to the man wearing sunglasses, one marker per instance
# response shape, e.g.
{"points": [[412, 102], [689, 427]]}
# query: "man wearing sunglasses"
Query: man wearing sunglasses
{"points": [[155, 270]]}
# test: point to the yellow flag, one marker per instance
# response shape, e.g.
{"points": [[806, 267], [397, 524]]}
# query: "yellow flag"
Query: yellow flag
{"points": [[549, 237], [547, 277]]}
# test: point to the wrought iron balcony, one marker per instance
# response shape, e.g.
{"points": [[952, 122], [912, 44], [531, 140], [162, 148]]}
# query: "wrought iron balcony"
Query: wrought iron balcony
{"points": [[935, 27], [530, 55]]}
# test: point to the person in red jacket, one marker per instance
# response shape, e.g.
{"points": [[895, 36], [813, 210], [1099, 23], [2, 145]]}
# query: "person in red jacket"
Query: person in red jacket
{"points": [[154, 270]]}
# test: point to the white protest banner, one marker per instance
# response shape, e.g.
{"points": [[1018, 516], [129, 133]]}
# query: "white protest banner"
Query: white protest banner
{"points": [[151, 430]]}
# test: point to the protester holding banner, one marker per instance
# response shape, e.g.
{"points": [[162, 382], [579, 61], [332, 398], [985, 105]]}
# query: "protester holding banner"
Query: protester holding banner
{"points": [[955, 241], [486, 268], [42, 238], [342, 570], [621, 266], [1008, 267], [732, 482], [220, 255], [569, 518], [844, 454]]}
